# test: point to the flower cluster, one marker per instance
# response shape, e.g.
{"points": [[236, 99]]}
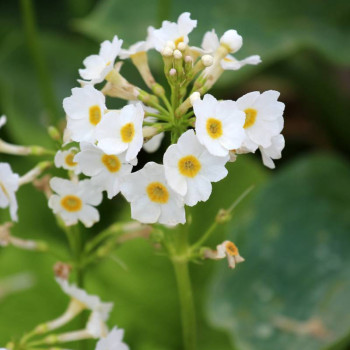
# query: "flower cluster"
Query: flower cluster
{"points": [[203, 139]]}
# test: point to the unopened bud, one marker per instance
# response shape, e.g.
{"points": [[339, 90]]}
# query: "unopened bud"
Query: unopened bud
{"points": [[170, 44], [188, 59], [194, 97], [54, 133], [223, 216], [232, 40], [177, 54], [181, 46], [207, 60], [172, 72], [167, 52]]}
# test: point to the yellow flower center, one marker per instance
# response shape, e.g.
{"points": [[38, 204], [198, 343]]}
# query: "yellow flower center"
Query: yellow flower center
{"points": [[95, 115], [231, 249], [250, 117], [189, 166], [112, 163], [71, 203], [179, 40], [214, 128], [69, 160], [157, 192], [127, 132]]}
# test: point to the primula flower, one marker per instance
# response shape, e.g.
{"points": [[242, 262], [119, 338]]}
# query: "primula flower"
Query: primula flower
{"points": [[173, 32], [272, 152], [211, 43], [140, 46], [190, 168], [263, 118], [113, 341], [219, 125], [225, 249], [85, 110], [106, 170], [80, 300], [65, 160], [121, 131], [9, 184], [152, 199], [98, 66], [75, 201]]}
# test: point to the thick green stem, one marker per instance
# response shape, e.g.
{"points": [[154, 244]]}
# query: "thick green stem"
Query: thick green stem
{"points": [[186, 303], [180, 259]]}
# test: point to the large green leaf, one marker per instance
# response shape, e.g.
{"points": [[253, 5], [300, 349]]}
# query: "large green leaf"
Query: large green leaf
{"points": [[293, 290], [271, 29]]}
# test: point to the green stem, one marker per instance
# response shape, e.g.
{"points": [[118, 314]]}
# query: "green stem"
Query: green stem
{"points": [[45, 83], [188, 317]]}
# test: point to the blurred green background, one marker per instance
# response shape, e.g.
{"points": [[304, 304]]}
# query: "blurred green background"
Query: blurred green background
{"points": [[293, 230]]}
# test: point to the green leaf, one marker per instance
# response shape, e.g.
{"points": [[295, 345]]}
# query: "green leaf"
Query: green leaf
{"points": [[292, 292]]}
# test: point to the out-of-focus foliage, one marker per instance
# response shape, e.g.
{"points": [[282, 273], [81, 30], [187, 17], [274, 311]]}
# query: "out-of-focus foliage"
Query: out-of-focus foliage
{"points": [[305, 53], [293, 291]]}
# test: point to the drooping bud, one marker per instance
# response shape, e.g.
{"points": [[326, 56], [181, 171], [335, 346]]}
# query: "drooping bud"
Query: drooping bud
{"points": [[194, 97]]}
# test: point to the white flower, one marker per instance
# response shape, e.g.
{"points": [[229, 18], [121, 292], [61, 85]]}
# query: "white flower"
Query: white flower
{"points": [[106, 170], [90, 302], [140, 46], [152, 200], [219, 125], [173, 32], [225, 249], [98, 66], [211, 43], [264, 118], [190, 168], [272, 152], [65, 160], [232, 40], [3, 121], [113, 341], [96, 325], [75, 201], [9, 184], [85, 109], [122, 131]]}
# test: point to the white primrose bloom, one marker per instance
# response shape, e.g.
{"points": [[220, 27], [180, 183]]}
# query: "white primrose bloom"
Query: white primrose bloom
{"points": [[272, 152], [152, 199], [85, 110], [227, 250], [98, 66], [106, 170], [173, 32], [121, 131], [113, 341], [96, 325], [65, 160], [211, 43], [219, 125], [190, 168], [263, 118], [140, 46], [75, 201], [9, 184]]}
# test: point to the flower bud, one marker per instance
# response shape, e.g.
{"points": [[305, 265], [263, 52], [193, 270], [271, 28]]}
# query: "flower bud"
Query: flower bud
{"points": [[181, 46], [207, 60], [172, 72], [194, 97], [177, 54], [167, 52], [232, 40], [170, 44]]}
